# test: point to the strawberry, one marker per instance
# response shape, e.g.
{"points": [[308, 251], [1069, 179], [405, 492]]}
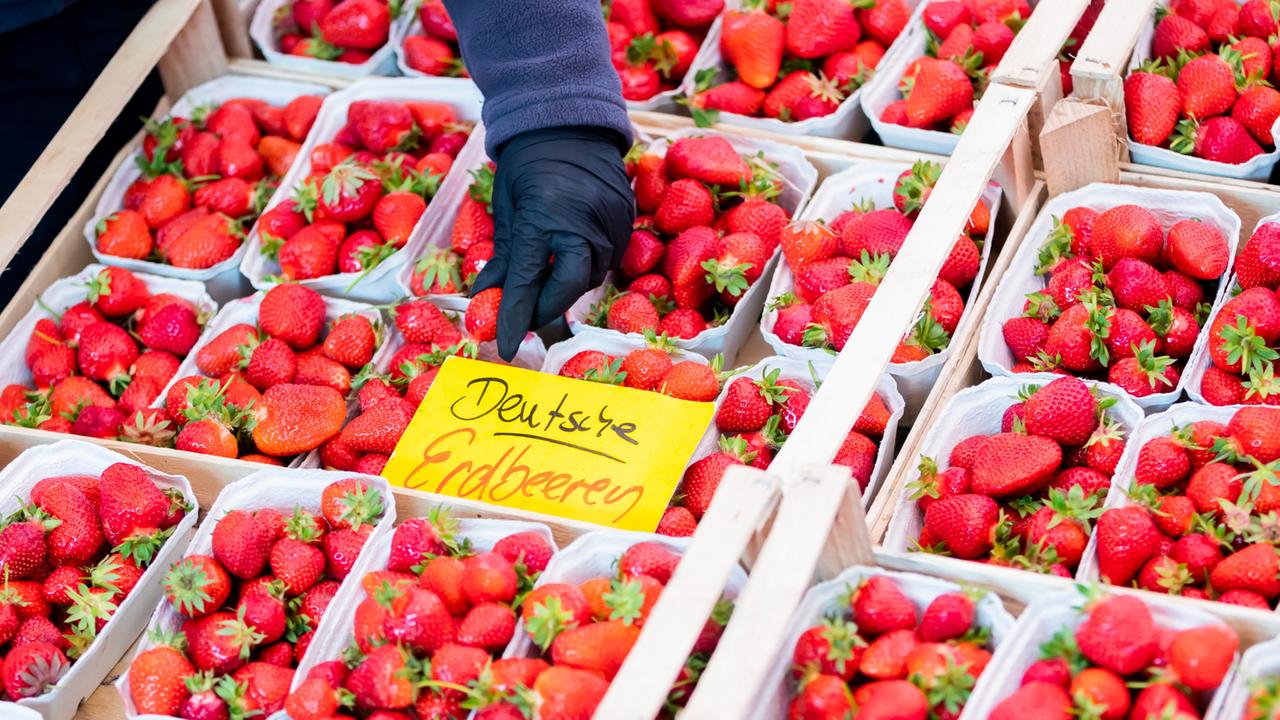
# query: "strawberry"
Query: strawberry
{"points": [[378, 429], [116, 292], [1220, 139], [599, 647], [691, 380], [222, 353], [174, 328], [806, 241], [356, 24], [241, 543], [1126, 539], [1243, 329], [941, 91], [1257, 19], [711, 160], [481, 318], [197, 586], [943, 16], [837, 313], [686, 203], [1036, 699], [1063, 410], [124, 234], [1258, 262], [297, 564], [570, 693], [883, 20], [879, 606], [702, 477], [296, 418], [1175, 34], [677, 522], [947, 616], [488, 577], [1202, 655], [753, 41], [1117, 634], [735, 97], [817, 28], [292, 313], [157, 678], [876, 232], [1014, 464]]}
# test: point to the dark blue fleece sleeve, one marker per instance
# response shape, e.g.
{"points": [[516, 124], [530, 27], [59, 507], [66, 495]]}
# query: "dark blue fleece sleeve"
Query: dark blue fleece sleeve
{"points": [[540, 64]]}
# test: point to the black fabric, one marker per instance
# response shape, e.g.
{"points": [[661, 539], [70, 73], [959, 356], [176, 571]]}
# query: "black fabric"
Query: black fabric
{"points": [[563, 209]]}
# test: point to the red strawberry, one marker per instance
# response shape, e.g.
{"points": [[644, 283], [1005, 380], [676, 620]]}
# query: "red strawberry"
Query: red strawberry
{"points": [[711, 160], [1126, 539], [1220, 139], [357, 24], [879, 606], [1014, 464], [1118, 634], [752, 40], [964, 523], [817, 28], [941, 91]]}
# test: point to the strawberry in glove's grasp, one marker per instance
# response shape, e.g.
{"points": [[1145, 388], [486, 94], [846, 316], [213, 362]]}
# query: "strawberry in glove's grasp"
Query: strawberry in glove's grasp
{"points": [[709, 223], [875, 655], [1121, 661], [71, 555], [98, 365], [346, 31], [1201, 517], [1206, 91], [250, 607], [838, 265], [1123, 300], [430, 626], [204, 181], [1028, 495], [652, 43], [798, 60], [367, 189]]}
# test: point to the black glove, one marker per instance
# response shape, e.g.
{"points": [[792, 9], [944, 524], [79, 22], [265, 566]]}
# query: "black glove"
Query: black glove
{"points": [[562, 193]]}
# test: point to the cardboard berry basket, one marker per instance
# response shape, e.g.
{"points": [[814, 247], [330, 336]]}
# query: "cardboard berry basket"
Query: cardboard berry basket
{"points": [[617, 345], [849, 121], [1260, 662], [270, 15], [882, 90], [245, 310], [799, 178], [65, 292], [1168, 206], [223, 280], [335, 631], [271, 488], [1052, 612], [979, 410], [1257, 168], [839, 192], [825, 598], [1154, 426], [378, 284], [86, 673], [1200, 360]]}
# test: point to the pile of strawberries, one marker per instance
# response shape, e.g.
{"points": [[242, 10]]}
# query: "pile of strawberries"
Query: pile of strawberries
{"points": [[452, 269], [250, 607], [967, 39], [1202, 521], [708, 225], [274, 391], [584, 632], [1026, 496], [388, 400], [799, 60], [367, 188], [1205, 91], [652, 42], [68, 558], [1123, 301], [1244, 336], [97, 366], [204, 181], [427, 632], [874, 655], [837, 267], [653, 367], [348, 31], [1119, 662], [754, 418], [435, 50]]}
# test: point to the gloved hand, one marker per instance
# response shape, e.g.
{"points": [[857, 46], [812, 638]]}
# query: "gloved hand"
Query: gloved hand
{"points": [[558, 193]]}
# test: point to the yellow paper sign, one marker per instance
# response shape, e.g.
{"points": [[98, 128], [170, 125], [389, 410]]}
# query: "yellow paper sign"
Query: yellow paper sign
{"points": [[572, 448]]}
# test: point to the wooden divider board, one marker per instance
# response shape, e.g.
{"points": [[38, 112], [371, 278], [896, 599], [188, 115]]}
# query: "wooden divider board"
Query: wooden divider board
{"points": [[1031, 62], [1097, 75], [745, 499], [192, 25], [821, 511], [999, 117]]}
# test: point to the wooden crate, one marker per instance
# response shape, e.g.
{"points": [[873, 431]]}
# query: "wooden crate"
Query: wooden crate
{"points": [[182, 38]]}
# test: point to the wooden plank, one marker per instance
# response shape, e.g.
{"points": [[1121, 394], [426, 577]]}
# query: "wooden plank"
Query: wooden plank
{"points": [[196, 55], [1079, 146], [962, 370], [745, 497], [804, 528], [89, 122], [893, 308], [1098, 71], [1035, 48], [233, 24]]}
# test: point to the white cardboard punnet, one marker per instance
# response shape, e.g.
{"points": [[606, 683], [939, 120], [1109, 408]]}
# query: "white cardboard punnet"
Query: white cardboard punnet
{"points": [[1169, 206], [67, 457]]}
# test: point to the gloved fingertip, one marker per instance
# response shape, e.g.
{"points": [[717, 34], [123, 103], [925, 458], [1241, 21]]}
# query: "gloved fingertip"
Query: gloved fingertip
{"points": [[494, 274]]}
